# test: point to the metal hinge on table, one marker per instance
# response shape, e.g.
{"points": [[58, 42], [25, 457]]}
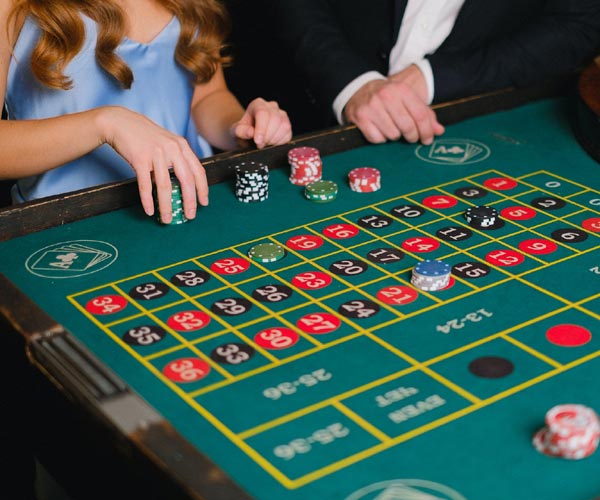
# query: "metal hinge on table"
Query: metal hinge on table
{"points": [[72, 365], [81, 375]]}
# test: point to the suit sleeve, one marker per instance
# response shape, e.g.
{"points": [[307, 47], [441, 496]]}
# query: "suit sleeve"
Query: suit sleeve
{"points": [[558, 40], [324, 54]]}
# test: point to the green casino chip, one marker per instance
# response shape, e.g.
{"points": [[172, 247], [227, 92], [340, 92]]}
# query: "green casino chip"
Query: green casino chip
{"points": [[321, 191], [176, 205], [266, 252]]}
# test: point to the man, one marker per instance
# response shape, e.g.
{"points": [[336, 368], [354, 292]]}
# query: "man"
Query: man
{"points": [[380, 64]]}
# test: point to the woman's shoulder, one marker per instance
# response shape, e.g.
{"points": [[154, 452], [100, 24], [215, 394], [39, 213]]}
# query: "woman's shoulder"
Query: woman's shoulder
{"points": [[12, 24]]}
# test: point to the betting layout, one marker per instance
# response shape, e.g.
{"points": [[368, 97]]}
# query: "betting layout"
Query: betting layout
{"points": [[306, 340]]}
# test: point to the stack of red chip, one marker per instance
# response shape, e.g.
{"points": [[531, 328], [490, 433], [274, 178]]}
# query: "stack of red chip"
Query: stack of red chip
{"points": [[572, 431], [306, 165], [364, 179]]}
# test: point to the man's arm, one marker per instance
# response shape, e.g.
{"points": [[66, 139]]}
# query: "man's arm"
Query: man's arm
{"points": [[335, 42], [557, 40], [332, 42]]}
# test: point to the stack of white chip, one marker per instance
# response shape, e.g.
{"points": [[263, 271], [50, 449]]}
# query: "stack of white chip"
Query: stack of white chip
{"points": [[252, 182], [431, 275]]}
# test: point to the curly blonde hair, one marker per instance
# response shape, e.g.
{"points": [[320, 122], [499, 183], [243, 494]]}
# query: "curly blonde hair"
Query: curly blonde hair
{"points": [[204, 28]]}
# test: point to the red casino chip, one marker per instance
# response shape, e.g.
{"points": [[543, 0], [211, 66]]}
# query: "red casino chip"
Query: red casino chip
{"points": [[303, 154], [364, 179], [572, 431], [571, 419], [305, 165]]}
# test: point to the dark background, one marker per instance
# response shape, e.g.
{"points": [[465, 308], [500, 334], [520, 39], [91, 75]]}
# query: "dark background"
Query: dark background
{"points": [[262, 67]]}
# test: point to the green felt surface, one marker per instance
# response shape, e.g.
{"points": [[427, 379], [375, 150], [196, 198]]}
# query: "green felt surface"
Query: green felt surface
{"points": [[384, 406]]}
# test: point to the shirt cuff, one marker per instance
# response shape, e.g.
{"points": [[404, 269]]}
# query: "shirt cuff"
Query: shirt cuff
{"points": [[425, 68], [349, 90]]}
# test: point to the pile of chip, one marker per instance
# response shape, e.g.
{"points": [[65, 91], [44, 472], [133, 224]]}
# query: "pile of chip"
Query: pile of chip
{"points": [[364, 179], [266, 252], [321, 191], [305, 165], [252, 181], [176, 204], [572, 431], [431, 275], [481, 216]]}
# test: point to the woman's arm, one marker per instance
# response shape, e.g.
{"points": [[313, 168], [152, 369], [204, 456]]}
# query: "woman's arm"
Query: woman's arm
{"points": [[223, 122], [31, 147]]}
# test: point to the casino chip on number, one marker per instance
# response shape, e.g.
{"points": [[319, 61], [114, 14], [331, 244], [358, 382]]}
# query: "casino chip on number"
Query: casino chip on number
{"points": [[431, 275], [481, 217], [266, 252]]}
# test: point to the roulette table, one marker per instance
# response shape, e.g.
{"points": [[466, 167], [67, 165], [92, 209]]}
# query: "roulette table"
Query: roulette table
{"points": [[169, 358]]}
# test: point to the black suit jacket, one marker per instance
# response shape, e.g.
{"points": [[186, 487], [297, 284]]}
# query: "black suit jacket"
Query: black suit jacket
{"points": [[494, 43]]}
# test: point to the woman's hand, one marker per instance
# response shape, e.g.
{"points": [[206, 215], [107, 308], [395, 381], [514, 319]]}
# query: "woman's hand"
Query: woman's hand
{"points": [[152, 151], [265, 123]]}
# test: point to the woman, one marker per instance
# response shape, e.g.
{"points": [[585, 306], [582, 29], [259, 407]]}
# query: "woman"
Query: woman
{"points": [[96, 89]]}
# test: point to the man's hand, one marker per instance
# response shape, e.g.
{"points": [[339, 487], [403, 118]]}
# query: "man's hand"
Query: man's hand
{"points": [[390, 109]]}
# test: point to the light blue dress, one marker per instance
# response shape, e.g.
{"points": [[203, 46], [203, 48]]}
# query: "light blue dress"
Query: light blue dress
{"points": [[162, 90]]}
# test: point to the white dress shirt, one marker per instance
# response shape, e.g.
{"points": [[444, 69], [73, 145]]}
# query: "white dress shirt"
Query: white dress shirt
{"points": [[425, 26]]}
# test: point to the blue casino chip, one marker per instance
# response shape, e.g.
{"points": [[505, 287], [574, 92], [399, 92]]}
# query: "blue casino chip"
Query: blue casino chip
{"points": [[432, 268]]}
